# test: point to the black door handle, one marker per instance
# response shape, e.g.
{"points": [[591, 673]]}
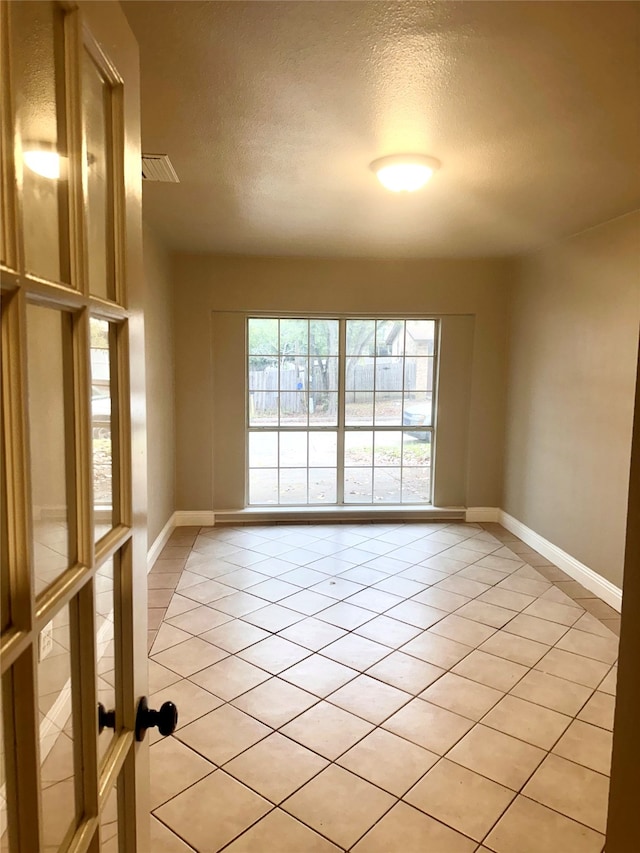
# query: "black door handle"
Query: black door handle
{"points": [[106, 719], [166, 719]]}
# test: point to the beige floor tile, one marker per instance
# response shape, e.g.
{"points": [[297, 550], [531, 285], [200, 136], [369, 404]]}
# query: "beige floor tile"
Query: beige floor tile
{"points": [[501, 564], [534, 628], [418, 615], [207, 592], [309, 603], [498, 756], [192, 816], [441, 599], [355, 651], [190, 700], [514, 648], [163, 840], [552, 692], [173, 566], [319, 675], [604, 649], [429, 726], [346, 616], [273, 617], [276, 767], [366, 577], [242, 579], [587, 745], [369, 698], [160, 676], [326, 729], [388, 631], [274, 654], [597, 608], [599, 710], [482, 574], [340, 805], [162, 580], [463, 630], [405, 672], [239, 604], [591, 625], [437, 650], [507, 598], [423, 574], [229, 678], [488, 669], [155, 615], [172, 768], [303, 577], [609, 682], [275, 702], [389, 761], [486, 613], [234, 636], [199, 619], [460, 798], [528, 827], [222, 734], [375, 599], [553, 612], [408, 830], [464, 697], [312, 633], [572, 790], [463, 586], [167, 636], [278, 832], [274, 589], [526, 586], [400, 586], [179, 604], [532, 723], [337, 588], [573, 667], [190, 656]]}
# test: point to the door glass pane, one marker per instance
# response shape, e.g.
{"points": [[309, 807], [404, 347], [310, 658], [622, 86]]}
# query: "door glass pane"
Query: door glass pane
{"points": [[97, 114], [5, 598], [293, 449], [37, 67], [388, 408], [389, 337], [323, 408], [420, 337], [59, 810], [101, 427], [4, 835], [360, 373], [388, 449], [416, 485], [358, 449], [323, 374], [109, 824], [263, 336], [294, 337], [105, 646], [263, 450], [48, 336]]}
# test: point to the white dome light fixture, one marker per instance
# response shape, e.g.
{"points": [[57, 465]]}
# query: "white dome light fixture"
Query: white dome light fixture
{"points": [[404, 172]]}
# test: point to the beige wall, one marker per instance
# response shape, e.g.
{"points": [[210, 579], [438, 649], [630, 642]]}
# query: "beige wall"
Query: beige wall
{"points": [[458, 289], [572, 368], [159, 363]]}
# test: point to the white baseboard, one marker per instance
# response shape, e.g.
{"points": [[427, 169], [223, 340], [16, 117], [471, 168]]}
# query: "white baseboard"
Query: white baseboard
{"points": [[591, 580], [160, 541], [194, 518], [482, 513]]}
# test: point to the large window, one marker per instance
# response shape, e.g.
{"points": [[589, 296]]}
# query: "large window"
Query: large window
{"points": [[340, 411]]}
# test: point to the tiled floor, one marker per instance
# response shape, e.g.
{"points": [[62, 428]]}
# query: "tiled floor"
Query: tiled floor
{"points": [[377, 689]]}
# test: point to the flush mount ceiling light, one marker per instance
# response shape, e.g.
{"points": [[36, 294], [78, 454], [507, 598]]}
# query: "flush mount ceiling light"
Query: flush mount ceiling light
{"points": [[404, 172]]}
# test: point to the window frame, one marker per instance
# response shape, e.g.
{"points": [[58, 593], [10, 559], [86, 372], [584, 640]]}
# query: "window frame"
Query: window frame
{"points": [[341, 428]]}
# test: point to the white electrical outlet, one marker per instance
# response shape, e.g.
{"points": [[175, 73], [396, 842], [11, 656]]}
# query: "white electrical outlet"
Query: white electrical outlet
{"points": [[46, 641]]}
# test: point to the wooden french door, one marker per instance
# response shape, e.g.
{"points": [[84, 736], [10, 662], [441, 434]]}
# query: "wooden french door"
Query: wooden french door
{"points": [[73, 489]]}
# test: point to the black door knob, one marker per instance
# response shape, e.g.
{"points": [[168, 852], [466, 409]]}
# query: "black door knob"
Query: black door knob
{"points": [[166, 719], [106, 719]]}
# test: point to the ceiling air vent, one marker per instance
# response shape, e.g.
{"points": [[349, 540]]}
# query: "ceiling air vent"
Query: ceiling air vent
{"points": [[157, 167]]}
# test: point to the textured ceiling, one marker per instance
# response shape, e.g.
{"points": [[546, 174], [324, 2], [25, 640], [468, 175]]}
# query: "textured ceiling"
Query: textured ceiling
{"points": [[272, 111]]}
